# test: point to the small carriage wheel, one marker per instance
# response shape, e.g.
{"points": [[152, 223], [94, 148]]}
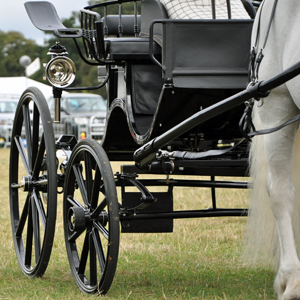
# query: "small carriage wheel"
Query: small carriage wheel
{"points": [[91, 218], [33, 183]]}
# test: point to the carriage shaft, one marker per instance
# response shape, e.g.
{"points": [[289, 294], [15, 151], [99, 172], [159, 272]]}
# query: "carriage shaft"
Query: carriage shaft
{"points": [[185, 214]]}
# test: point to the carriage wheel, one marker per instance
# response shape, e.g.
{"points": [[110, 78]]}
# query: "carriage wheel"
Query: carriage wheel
{"points": [[91, 218], [32, 183]]}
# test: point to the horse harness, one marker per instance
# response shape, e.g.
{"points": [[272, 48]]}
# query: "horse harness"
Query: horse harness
{"points": [[246, 125], [257, 58]]}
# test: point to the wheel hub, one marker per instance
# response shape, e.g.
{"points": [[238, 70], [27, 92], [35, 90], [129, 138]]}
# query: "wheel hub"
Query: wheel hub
{"points": [[26, 183], [103, 218], [79, 218], [76, 219]]}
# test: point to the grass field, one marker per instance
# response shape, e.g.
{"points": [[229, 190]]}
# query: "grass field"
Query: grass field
{"points": [[201, 259]]}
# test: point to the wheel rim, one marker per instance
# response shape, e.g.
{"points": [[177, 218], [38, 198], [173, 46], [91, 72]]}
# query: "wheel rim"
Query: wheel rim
{"points": [[32, 173], [91, 218]]}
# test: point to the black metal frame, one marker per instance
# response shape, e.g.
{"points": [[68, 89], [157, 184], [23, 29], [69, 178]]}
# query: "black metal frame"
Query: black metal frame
{"points": [[147, 158], [147, 154]]}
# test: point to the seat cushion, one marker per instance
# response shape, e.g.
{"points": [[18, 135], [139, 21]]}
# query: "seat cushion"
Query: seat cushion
{"points": [[129, 48]]}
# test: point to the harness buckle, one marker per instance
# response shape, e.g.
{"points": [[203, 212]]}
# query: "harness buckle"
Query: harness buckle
{"points": [[260, 56]]}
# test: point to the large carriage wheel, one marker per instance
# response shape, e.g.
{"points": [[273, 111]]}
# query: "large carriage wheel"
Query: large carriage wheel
{"points": [[33, 183], [91, 218]]}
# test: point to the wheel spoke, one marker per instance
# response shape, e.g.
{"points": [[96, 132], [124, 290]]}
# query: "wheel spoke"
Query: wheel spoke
{"points": [[29, 237], [27, 126], [74, 202], [36, 230], [93, 261], [23, 218], [22, 153], [88, 174], [80, 182], [84, 255], [99, 249], [95, 188], [40, 208], [35, 132], [99, 209], [75, 236], [39, 157], [103, 230]]}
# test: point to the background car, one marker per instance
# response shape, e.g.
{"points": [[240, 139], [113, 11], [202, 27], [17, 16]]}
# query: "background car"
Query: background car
{"points": [[8, 105], [82, 115]]}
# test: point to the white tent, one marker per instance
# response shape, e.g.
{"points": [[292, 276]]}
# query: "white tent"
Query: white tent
{"points": [[17, 85]]}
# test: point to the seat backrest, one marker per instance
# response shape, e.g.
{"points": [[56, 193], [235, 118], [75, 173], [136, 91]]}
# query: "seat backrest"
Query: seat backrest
{"points": [[205, 9], [150, 10], [205, 43], [127, 22], [192, 9], [209, 54]]}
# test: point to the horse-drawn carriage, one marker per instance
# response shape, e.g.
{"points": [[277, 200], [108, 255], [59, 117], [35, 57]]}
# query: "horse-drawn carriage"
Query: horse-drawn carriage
{"points": [[167, 72]]}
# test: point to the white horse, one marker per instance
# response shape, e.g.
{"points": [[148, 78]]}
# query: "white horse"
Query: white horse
{"points": [[273, 224]]}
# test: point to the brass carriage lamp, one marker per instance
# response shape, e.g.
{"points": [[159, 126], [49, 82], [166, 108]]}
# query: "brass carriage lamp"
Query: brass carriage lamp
{"points": [[60, 72]]}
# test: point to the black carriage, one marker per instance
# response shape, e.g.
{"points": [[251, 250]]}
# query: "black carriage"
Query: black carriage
{"points": [[166, 81]]}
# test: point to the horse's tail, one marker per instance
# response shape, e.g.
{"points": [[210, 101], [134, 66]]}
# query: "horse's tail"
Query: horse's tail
{"points": [[261, 239]]}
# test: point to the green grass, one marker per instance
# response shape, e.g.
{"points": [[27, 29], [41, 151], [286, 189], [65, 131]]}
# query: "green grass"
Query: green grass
{"points": [[201, 259]]}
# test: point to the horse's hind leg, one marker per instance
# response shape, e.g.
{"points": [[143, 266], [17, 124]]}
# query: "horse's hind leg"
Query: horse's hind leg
{"points": [[279, 152]]}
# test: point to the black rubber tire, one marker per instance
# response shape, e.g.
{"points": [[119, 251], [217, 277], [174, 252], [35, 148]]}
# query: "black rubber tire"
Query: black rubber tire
{"points": [[91, 218], [32, 216]]}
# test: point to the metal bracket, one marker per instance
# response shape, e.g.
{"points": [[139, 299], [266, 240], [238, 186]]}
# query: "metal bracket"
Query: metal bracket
{"points": [[146, 197]]}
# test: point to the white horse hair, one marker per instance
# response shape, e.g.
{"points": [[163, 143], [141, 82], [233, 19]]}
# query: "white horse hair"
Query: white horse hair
{"points": [[273, 227]]}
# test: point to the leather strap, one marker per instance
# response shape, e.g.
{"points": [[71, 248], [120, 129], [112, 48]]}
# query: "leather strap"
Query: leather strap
{"points": [[205, 154], [270, 130], [256, 59]]}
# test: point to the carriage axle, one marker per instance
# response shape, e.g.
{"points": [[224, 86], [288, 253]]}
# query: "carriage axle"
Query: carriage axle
{"points": [[206, 213]]}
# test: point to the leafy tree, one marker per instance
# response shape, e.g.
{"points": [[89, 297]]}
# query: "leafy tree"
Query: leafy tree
{"points": [[13, 45]]}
